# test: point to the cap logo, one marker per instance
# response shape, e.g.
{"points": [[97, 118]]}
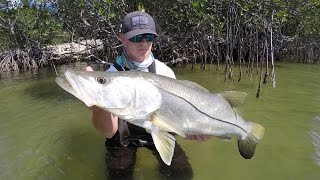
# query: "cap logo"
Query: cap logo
{"points": [[139, 20]]}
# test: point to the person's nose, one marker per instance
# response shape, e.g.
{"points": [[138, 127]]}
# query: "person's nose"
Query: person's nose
{"points": [[144, 42]]}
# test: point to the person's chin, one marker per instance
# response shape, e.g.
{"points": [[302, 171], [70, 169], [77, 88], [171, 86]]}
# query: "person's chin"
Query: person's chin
{"points": [[139, 58], [143, 56], [143, 52]]}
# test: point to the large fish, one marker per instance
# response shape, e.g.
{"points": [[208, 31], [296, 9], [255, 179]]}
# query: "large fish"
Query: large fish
{"points": [[163, 106]]}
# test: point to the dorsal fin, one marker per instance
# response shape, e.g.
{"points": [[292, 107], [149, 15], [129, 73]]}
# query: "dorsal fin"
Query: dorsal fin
{"points": [[235, 98]]}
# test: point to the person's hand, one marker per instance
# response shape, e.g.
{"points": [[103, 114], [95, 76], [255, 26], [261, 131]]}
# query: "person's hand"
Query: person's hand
{"points": [[198, 137], [89, 68], [95, 108]]}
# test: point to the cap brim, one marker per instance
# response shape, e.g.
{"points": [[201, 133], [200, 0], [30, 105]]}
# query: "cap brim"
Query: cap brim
{"points": [[132, 33]]}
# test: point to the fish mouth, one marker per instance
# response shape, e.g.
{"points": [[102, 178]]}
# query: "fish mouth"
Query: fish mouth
{"points": [[86, 88], [64, 84], [77, 82]]}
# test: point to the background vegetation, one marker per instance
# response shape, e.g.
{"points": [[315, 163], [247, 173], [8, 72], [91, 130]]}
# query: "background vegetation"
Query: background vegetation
{"points": [[206, 31]]}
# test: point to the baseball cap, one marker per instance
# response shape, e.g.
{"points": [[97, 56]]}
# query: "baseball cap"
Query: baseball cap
{"points": [[136, 23]]}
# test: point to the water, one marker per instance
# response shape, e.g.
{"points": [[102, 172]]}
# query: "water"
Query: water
{"points": [[45, 133]]}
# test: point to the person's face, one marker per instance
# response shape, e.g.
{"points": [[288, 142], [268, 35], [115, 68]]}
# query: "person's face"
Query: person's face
{"points": [[137, 51]]}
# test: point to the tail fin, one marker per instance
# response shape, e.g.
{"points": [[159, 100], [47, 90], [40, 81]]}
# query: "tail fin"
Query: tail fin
{"points": [[247, 145]]}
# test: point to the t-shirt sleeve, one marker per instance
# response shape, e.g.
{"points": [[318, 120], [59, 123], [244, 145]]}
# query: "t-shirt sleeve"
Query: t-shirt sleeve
{"points": [[164, 70]]}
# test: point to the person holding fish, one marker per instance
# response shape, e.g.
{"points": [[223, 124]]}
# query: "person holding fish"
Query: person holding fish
{"points": [[137, 35]]}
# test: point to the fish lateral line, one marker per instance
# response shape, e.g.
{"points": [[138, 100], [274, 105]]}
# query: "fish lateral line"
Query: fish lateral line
{"points": [[221, 120]]}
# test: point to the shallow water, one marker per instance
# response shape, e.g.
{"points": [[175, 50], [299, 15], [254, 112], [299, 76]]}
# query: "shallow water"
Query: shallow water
{"points": [[45, 133]]}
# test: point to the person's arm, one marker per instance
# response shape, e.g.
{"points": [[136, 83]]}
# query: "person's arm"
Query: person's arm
{"points": [[105, 122]]}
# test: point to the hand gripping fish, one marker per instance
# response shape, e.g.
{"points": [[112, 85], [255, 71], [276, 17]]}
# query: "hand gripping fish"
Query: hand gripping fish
{"points": [[163, 106]]}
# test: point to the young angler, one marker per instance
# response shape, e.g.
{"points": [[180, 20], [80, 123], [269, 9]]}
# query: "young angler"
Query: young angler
{"points": [[122, 139]]}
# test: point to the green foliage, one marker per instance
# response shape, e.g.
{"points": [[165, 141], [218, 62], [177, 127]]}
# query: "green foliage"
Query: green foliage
{"points": [[32, 27], [183, 20]]}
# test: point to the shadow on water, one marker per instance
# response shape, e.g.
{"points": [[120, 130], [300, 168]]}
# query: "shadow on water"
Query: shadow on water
{"points": [[47, 89], [37, 84]]}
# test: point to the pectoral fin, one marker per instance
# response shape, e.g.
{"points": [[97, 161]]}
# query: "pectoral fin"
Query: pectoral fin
{"points": [[165, 143], [165, 126]]}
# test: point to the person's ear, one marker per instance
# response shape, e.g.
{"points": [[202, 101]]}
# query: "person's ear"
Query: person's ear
{"points": [[122, 38]]}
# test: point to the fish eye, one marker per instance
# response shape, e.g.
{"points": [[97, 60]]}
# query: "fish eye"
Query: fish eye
{"points": [[101, 80]]}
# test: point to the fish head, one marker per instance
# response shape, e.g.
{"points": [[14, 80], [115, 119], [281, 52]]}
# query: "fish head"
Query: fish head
{"points": [[101, 89], [126, 95]]}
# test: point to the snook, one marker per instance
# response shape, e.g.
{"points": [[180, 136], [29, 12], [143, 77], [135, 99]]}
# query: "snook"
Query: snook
{"points": [[162, 105]]}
